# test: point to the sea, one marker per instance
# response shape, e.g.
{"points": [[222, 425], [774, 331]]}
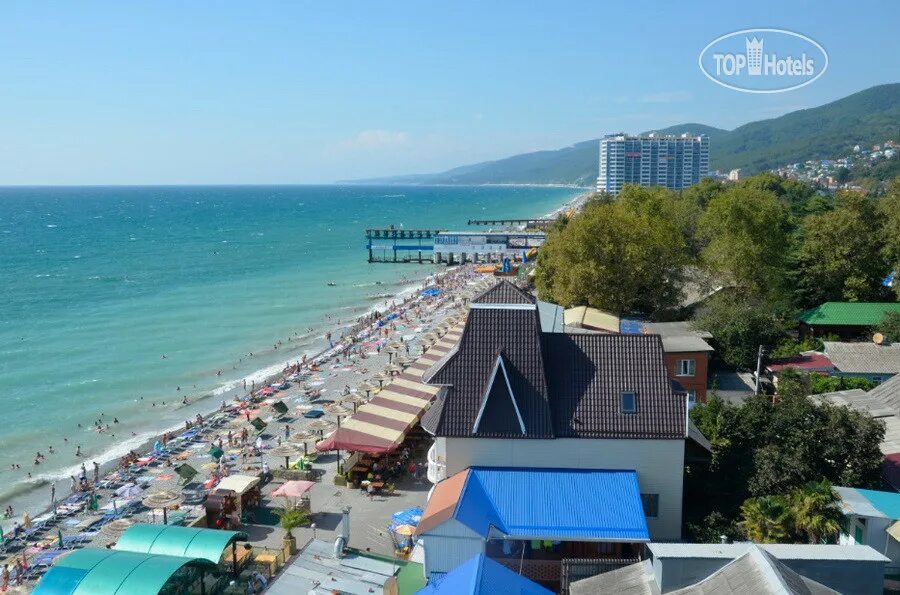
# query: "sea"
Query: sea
{"points": [[117, 302]]}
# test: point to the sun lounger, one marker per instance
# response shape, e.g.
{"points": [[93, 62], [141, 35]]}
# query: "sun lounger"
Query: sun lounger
{"points": [[70, 542]]}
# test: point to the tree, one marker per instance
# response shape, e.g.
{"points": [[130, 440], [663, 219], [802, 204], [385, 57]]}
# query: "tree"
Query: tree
{"points": [[761, 447], [741, 321], [766, 519], [748, 234], [625, 256], [816, 510], [840, 257], [889, 211], [890, 326]]}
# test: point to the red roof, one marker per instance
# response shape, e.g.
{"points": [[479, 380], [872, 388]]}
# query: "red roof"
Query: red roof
{"points": [[816, 362]]}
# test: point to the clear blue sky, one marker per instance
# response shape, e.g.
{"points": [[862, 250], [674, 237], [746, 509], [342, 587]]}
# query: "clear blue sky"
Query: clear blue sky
{"points": [[162, 91]]}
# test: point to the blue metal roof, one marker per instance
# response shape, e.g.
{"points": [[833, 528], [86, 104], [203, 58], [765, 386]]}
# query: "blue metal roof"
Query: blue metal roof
{"points": [[887, 502], [563, 504], [481, 575]]}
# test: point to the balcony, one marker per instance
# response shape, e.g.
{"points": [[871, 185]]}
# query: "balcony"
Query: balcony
{"points": [[437, 470]]}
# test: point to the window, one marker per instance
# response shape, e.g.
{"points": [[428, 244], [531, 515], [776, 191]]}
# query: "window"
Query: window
{"points": [[686, 367], [651, 505], [858, 535], [629, 402]]}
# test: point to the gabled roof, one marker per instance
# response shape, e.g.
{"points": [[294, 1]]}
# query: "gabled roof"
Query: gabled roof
{"points": [[467, 372], [482, 576], [559, 384], [503, 292], [525, 503], [870, 503], [499, 412], [864, 358], [588, 374], [755, 571], [848, 313]]}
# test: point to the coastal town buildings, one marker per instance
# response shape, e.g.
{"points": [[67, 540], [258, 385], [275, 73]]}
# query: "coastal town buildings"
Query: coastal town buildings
{"points": [[670, 161]]}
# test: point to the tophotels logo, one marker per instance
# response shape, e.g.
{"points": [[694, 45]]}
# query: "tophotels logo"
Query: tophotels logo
{"points": [[763, 60]]}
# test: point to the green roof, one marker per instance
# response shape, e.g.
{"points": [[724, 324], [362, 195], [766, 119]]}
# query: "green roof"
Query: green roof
{"points": [[848, 313], [93, 571], [172, 540]]}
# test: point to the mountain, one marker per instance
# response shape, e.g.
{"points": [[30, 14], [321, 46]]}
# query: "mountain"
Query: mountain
{"points": [[830, 130]]}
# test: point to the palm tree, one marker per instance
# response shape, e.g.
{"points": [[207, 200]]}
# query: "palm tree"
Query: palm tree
{"points": [[816, 510], [766, 519]]}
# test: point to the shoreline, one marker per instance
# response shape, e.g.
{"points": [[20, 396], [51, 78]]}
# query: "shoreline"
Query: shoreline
{"points": [[209, 401]]}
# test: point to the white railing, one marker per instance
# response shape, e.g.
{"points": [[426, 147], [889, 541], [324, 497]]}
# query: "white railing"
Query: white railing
{"points": [[437, 470]]}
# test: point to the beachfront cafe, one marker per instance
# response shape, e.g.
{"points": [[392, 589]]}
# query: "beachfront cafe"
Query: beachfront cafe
{"points": [[389, 423], [150, 559]]}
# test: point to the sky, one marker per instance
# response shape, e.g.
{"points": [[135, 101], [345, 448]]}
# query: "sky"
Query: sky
{"points": [[174, 92]]}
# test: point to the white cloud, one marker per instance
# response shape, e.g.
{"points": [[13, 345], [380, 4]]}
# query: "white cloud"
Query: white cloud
{"points": [[370, 140]]}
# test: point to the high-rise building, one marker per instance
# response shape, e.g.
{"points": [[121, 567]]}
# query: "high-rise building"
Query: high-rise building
{"points": [[674, 162]]}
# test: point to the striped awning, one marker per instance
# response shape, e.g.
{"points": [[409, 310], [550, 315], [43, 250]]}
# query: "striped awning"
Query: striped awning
{"points": [[380, 425]]}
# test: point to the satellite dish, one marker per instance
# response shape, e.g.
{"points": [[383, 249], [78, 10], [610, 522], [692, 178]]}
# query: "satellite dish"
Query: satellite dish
{"points": [[878, 338]]}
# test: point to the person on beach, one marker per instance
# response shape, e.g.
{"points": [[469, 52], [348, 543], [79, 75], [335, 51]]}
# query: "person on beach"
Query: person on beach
{"points": [[78, 452], [5, 578]]}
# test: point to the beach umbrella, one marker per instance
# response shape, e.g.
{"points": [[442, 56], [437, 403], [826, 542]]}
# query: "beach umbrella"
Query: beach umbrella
{"points": [[164, 499], [303, 437], [114, 529], [279, 407], [354, 400], [337, 409], [259, 424], [395, 369], [186, 473], [381, 377], [321, 425], [405, 530], [285, 450], [367, 387], [215, 452]]}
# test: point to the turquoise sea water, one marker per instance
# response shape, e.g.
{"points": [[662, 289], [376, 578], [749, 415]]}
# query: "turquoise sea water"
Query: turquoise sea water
{"points": [[98, 284]]}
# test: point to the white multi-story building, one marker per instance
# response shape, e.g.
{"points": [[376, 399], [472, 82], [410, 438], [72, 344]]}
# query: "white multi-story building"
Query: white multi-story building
{"points": [[674, 162]]}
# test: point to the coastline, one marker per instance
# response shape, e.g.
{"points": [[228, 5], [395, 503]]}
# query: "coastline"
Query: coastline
{"points": [[33, 495]]}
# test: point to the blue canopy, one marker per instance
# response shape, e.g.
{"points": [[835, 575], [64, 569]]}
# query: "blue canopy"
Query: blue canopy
{"points": [[482, 575], [410, 516]]}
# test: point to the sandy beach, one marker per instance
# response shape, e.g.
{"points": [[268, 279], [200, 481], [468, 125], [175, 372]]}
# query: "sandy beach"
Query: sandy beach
{"points": [[322, 379]]}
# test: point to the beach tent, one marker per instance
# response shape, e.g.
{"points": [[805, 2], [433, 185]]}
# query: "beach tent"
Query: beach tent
{"points": [[294, 488], [186, 473], [259, 424], [171, 540], [92, 571]]}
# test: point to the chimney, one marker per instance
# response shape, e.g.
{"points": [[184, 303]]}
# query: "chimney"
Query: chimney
{"points": [[345, 524]]}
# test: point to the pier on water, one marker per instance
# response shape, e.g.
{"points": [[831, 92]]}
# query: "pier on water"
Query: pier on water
{"points": [[426, 246]]}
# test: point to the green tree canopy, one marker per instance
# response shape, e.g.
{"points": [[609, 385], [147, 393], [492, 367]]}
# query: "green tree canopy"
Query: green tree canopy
{"points": [[890, 326], [741, 321], [747, 230], [761, 448], [840, 257], [625, 256], [889, 211]]}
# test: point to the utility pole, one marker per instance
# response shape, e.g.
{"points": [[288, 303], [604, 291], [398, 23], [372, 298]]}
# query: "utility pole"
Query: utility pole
{"points": [[759, 355]]}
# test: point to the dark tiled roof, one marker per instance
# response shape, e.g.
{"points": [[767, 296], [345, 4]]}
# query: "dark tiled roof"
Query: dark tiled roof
{"points": [[589, 373], [563, 385], [488, 332], [503, 292]]}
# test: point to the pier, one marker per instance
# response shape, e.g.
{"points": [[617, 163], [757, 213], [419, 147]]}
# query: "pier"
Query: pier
{"points": [[512, 222], [426, 246]]}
